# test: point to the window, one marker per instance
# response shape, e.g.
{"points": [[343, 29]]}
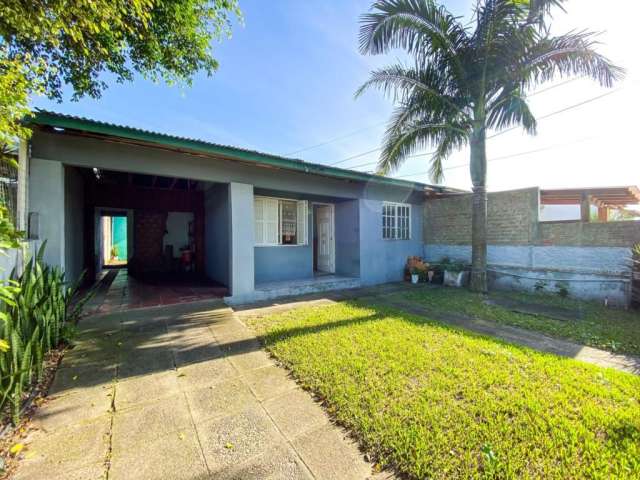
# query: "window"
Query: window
{"points": [[280, 221], [396, 221]]}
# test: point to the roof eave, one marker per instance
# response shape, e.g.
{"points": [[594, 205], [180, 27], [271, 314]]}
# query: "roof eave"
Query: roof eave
{"points": [[49, 119]]}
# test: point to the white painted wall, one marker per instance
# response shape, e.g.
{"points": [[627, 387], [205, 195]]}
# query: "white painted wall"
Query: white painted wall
{"points": [[46, 197], [242, 239], [177, 231]]}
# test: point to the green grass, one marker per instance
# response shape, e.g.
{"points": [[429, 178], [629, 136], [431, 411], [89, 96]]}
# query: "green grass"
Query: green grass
{"points": [[607, 328], [437, 402]]}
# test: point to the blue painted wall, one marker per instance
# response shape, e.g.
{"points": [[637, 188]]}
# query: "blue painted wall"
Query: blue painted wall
{"points": [[217, 233], [285, 262], [383, 260]]}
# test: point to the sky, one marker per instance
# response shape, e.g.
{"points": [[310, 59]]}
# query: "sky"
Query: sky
{"points": [[286, 86]]}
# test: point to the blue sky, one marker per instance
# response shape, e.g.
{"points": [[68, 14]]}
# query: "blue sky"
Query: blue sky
{"points": [[287, 78]]}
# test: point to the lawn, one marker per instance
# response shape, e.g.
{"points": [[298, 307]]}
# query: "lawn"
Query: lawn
{"points": [[611, 329], [437, 402]]}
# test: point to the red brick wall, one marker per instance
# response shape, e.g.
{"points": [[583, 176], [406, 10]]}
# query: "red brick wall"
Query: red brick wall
{"points": [[148, 231]]}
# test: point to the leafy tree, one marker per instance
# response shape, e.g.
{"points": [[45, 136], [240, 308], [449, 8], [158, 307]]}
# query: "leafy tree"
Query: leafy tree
{"points": [[466, 79], [45, 44]]}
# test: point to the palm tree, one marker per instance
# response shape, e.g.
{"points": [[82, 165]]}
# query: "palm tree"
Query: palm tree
{"points": [[466, 79]]}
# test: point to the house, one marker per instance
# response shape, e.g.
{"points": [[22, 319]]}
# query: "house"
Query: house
{"points": [[261, 225]]}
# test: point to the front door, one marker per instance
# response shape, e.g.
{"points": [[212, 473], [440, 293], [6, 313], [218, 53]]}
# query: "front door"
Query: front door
{"points": [[325, 245]]}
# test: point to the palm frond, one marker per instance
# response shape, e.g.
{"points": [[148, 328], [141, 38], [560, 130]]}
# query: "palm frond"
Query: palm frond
{"points": [[511, 109], [420, 27], [410, 137], [569, 55], [423, 82], [451, 142]]}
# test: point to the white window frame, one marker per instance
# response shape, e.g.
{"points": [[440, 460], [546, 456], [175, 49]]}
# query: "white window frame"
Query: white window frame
{"points": [[396, 220], [302, 228]]}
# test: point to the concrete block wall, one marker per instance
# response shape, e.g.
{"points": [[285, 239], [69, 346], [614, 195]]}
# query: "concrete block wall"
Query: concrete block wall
{"points": [[512, 218], [591, 259]]}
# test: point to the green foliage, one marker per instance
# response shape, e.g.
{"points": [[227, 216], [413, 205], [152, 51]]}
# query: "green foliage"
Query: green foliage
{"points": [[36, 315], [540, 286], [465, 79], [47, 44], [562, 289], [438, 402]]}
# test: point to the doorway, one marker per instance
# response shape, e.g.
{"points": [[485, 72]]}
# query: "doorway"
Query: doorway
{"points": [[114, 240], [324, 249]]}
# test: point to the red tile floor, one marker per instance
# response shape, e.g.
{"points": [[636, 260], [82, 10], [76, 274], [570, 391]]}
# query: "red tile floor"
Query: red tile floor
{"points": [[119, 291]]}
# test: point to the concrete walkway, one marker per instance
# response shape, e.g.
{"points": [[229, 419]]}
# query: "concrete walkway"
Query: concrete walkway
{"points": [[181, 392]]}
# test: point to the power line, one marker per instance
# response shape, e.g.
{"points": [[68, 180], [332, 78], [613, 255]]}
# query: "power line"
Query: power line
{"points": [[505, 157], [353, 157], [335, 139]]}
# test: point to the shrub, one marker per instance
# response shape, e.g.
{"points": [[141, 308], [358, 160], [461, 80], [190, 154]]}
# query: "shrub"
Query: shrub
{"points": [[35, 315]]}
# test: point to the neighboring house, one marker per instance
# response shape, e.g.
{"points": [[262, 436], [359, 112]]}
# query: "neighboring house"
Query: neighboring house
{"points": [[260, 224]]}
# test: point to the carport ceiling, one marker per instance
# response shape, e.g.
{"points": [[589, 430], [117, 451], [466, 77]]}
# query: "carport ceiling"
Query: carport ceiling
{"points": [[110, 177]]}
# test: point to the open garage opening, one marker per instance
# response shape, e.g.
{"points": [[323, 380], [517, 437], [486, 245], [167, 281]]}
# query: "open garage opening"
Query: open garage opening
{"points": [[153, 240]]}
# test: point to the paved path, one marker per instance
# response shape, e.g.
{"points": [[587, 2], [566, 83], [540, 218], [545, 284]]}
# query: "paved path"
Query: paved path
{"points": [[520, 336], [182, 392]]}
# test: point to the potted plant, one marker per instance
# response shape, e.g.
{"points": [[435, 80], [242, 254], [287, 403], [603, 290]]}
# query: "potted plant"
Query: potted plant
{"points": [[455, 273], [415, 274], [415, 266]]}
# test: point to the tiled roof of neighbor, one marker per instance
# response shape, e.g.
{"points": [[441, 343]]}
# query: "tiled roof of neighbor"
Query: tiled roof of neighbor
{"points": [[61, 121]]}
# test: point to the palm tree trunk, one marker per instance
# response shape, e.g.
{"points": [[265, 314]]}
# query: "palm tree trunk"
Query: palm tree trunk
{"points": [[478, 167]]}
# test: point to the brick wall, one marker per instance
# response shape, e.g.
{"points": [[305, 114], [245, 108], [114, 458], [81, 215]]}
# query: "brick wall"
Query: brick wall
{"points": [[610, 234], [149, 228], [512, 218]]}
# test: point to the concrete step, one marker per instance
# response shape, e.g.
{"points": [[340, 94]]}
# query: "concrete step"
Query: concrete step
{"points": [[269, 291]]}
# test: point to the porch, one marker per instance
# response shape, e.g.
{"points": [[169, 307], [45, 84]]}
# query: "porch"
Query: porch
{"points": [[289, 288]]}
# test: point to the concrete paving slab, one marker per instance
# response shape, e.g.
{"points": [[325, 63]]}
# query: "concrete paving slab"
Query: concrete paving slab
{"points": [[295, 413], [268, 382], [63, 410], [81, 377], [234, 439], [222, 399], [199, 351], [205, 373], [145, 361], [146, 388], [331, 455], [95, 471], [147, 422], [71, 449], [280, 463], [175, 456]]}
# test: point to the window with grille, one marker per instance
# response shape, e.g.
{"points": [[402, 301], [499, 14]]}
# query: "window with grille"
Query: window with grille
{"points": [[280, 221], [396, 221]]}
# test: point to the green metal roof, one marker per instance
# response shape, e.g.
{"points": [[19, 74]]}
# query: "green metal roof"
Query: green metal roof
{"points": [[58, 120]]}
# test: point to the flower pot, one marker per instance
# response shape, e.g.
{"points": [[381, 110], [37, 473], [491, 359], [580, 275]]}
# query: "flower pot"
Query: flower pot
{"points": [[414, 278], [430, 275], [455, 279]]}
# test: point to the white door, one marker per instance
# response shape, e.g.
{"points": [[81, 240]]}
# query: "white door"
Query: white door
{"points": [[326, 246]]}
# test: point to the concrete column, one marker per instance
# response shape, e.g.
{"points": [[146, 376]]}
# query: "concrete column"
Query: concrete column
{"points": [[46, 197], [23, 185], [585, 208], [241, 259]]}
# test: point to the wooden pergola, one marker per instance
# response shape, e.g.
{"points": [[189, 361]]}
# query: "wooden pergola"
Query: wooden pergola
{"points": [[605, 198]]}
